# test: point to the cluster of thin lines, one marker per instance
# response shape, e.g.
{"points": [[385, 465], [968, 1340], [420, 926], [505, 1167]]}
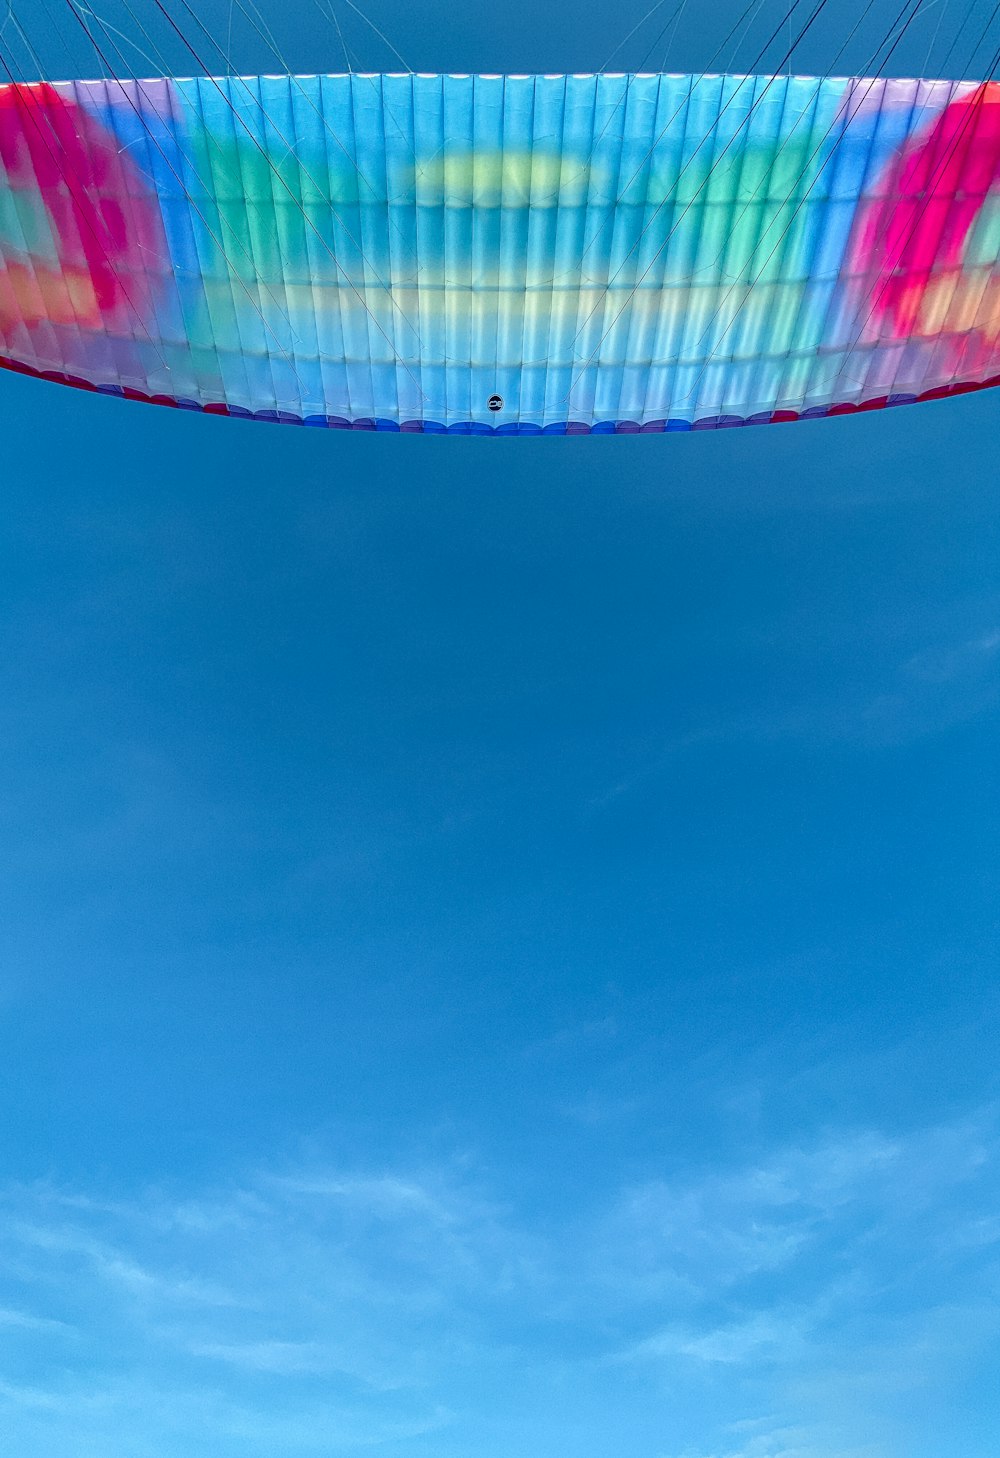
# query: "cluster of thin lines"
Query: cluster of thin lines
{"points": [[758, 99], [884, 268]]}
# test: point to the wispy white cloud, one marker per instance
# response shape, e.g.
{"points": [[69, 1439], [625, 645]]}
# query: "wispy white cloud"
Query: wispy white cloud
{"points": [[891, 691], [779, 1441], [758, 1339], [708, 1235], [944, 664], [25, 1321], [575, 1036], [285, 1359], [377, 1307], [118, 1269]]}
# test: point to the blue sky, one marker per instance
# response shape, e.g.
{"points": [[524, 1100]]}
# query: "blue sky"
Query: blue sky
{"points": [[498, 939]]}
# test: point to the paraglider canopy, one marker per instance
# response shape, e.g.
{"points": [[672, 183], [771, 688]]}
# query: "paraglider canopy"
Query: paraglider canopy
{"points": [[519, 254]]}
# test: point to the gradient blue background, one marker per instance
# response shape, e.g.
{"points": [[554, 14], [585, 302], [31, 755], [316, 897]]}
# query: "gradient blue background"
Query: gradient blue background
{"points": [[498, 939]]}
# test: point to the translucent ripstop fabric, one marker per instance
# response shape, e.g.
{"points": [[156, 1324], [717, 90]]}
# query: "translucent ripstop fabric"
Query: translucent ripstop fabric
{"points": [[503, 253]]}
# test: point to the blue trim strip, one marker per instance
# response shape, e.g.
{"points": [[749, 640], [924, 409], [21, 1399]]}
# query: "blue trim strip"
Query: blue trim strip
{"points": [[514, 427]]}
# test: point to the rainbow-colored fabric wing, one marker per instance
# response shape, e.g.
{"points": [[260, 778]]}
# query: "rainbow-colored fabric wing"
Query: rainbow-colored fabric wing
{"points": [[518, 254]]}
